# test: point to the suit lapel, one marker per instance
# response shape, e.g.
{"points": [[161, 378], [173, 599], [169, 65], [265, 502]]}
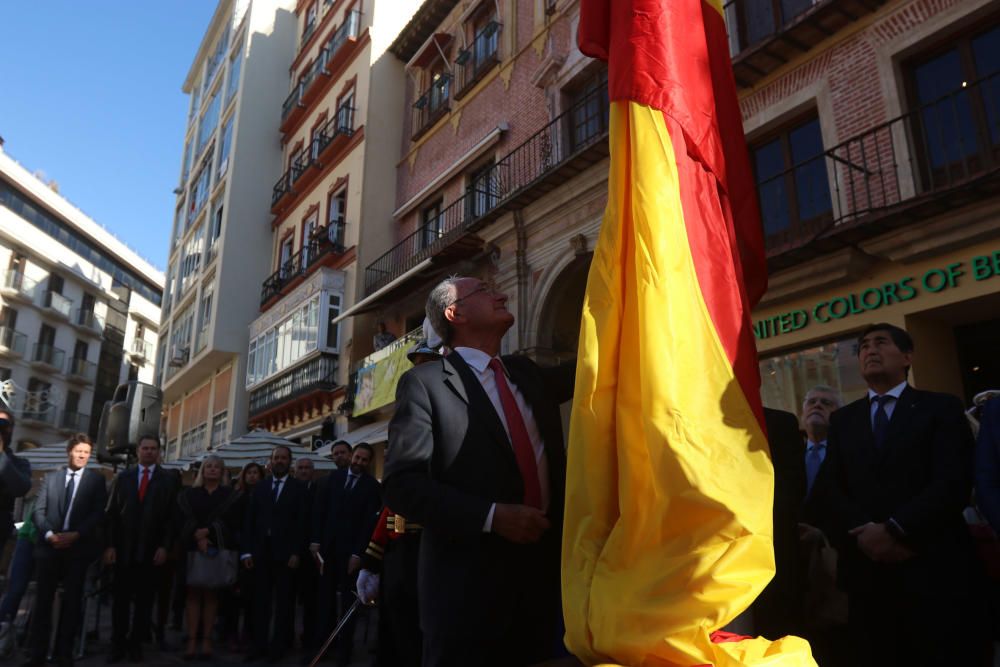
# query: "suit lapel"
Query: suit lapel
{"points": [[479, 403]]}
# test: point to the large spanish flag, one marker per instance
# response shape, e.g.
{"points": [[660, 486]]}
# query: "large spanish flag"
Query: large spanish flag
{"points": [[667, 534]]}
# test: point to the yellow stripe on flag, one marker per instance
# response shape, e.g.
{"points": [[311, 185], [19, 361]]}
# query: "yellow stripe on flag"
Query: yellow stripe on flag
{"points": [[667, 535]]}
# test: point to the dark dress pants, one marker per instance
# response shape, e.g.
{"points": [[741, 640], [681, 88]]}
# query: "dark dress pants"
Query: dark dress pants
{"points": [[274, 596], [132, 604], [52, 568], [399, 639]]}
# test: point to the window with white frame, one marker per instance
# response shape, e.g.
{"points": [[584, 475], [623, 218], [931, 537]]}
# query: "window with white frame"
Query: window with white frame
{"points": [[209, 120], [333, 328], [191, 263], [234, 72], [205, 310], [220, 429], [215, 227], [198, 196], [224, 147], [285, 343], [180, 335], [337, 216]]}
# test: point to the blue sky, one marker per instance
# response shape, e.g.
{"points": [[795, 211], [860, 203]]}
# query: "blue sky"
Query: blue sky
{"points": [[91, 96]]}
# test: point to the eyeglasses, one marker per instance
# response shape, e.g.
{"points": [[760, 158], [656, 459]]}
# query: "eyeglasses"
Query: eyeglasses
{"points": [[485, 287]]}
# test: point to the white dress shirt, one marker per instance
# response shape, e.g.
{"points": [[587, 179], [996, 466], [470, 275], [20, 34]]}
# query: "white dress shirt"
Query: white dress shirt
{"points": [[479, 362], [889, 405], [276, 480], [138, 479]]}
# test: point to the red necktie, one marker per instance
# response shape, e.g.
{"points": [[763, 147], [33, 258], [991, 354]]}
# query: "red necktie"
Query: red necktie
{"points": [[143, 484], [523, 450]]}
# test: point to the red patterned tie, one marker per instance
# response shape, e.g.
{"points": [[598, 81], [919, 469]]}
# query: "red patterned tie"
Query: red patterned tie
{"points": [[143, 484], [523, 450]]}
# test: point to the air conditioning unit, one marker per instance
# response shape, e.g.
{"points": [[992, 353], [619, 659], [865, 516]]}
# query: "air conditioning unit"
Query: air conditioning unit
{"points": [[178, 356]]}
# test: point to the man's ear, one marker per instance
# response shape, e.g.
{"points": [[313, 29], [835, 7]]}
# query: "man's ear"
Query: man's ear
{"points": [[451, 314]]}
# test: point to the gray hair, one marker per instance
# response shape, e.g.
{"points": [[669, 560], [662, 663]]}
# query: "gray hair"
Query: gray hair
{"points": [[199, 480], [442, 296], [826, 389]]}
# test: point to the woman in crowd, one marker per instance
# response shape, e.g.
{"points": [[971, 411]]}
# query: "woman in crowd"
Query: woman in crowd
{"points": [[248, 478], [209, 519]]}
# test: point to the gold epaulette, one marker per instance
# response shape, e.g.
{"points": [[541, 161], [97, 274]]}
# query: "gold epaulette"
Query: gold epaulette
{"points": [[398, 524]]}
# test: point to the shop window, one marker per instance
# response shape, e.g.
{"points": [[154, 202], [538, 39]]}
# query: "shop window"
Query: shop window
{"points": [[955, 93], [785, 378], [792, 185]]}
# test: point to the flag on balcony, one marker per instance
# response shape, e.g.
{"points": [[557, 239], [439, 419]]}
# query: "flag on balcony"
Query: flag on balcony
{"points": [[667, 535]]}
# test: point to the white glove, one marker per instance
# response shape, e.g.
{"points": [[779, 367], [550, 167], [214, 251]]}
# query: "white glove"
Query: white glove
{"points": [[367, 586]]}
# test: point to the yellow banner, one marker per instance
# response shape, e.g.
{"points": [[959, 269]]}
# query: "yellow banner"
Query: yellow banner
{"points": [[376, 384]]}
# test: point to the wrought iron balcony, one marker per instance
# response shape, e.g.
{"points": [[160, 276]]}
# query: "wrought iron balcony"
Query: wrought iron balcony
{"points": [[284, 188], [930, 160], [88, 320], [18, 286], [481, 56], [13, 343], [58, 304], [334, 133], [318, 374], [81, 370], [431, 105], [326, 241], [568, 144], [348, 30], [309, 161], [766, 34], [141, 350], [47, 355]]}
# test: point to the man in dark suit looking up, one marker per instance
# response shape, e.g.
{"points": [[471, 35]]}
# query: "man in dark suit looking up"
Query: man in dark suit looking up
{"points": [[68, 515], [897, 476], [138, 523], [476, 456], [273, 539], [345, 508]]}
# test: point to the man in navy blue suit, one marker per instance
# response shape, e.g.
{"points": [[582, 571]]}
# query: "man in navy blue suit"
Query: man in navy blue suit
{"points": [[345, 508], [273, 537], [68, 514]]}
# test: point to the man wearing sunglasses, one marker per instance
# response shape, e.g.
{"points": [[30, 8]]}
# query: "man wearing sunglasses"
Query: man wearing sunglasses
{"points": [[15, 476], [476, 456]]}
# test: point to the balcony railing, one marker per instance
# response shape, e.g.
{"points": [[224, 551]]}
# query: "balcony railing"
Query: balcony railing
{"points": [[319, 374], [141, 349], [81, 369], [766, 34], [479, 57], [88, 319], [325, 241], [47, 415], [48, 355], [12, 341], [329, 136], [431, 105], [74, 421], [328, 55], [17, 284], [58, 303], [939, 148], [310, 29], [514, 179]]}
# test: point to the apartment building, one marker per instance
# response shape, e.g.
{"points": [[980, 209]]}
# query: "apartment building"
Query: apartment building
{"points": [[341, 131], [79, 311], [502, 174], [874, 131], [220, 244]]}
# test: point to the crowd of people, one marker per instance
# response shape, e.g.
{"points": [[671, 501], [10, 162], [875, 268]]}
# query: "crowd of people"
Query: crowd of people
{"points": [[875, 524]]}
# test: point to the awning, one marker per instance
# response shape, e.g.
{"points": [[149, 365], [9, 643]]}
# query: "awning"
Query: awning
{"points": [[256, 446], [52, 457], [368, 303], [371, 433], [433, 47]]}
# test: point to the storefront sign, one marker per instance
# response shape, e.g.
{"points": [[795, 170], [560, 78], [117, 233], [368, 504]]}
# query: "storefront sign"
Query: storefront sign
{"points": [[980, 267]]}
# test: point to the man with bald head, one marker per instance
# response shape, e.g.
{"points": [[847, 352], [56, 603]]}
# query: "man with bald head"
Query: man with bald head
{"points": [[818, 405], [476, 456]]}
